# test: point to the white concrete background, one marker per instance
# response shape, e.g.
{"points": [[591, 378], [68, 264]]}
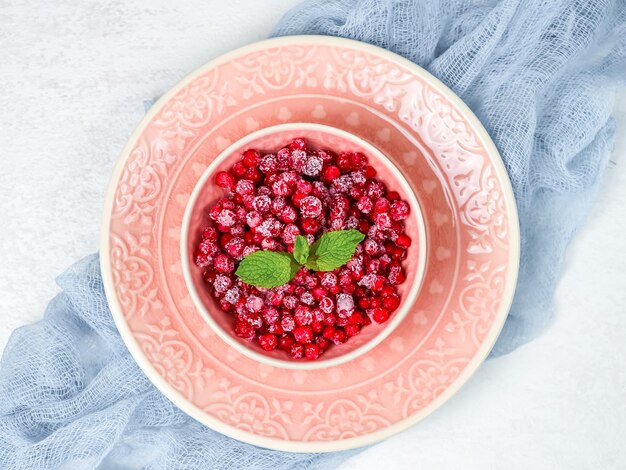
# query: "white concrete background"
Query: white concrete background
{"points": [[73, 78]]}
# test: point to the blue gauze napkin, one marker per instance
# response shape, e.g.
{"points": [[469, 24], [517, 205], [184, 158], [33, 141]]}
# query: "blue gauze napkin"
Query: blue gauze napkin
{"points": [[541, 75]]}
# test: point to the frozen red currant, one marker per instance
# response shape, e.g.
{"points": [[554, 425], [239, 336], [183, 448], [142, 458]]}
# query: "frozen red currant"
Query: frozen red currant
{"points": [[303, 334], [225, 180], [303, 315], [311, 207], [380, 315], [251, 157], [287, 322], [243, 329], [297, 351], [224, 264], [352, 330], [399, 210], [298, 144], [239, 169], [286, 341], [312, 351], [403, 240], [331, 173], [310, 226], [339, 337], [244, 187], [268, 341], [391, 302]]}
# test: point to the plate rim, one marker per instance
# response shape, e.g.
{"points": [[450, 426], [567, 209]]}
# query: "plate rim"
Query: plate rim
{"points": [[311, 446]]}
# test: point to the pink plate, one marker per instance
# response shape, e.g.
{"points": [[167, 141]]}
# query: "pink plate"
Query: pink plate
{"points": [[472, 249]]}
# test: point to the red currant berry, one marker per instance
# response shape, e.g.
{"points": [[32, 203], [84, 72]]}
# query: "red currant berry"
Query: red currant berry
{"points": [[251, 157], [380, 315], [391, 302], [225, 180], [331, 173], [312, 352], [268, 342]]}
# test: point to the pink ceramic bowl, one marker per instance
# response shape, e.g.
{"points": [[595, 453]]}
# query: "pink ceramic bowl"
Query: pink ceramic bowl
{"points": [[206, 192]]}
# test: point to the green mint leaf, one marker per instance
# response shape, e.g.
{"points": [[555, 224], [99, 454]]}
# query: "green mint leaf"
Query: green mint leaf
{"points": [[301, 249], [267, 269], [295, 267], [333, 249], [313, 247]]}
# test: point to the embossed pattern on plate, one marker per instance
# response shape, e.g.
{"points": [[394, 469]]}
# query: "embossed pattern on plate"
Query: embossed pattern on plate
{"points": [[460, 183]]}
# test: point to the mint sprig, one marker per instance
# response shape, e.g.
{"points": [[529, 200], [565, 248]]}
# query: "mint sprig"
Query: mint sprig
{"points": [[269, 269]]}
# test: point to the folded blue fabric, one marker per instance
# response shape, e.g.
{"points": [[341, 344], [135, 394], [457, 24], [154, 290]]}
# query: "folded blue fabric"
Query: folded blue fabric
{"points": [[542, 78]]}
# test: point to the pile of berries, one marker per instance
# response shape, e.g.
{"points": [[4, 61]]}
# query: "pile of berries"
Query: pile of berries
{"points": [[271, 199]]}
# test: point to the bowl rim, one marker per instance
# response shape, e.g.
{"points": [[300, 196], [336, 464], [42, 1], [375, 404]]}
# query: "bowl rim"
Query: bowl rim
{"points": [[398, 316]]}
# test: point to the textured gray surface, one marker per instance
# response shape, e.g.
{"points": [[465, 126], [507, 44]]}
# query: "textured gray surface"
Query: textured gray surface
{"points": [[73, 78]]}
